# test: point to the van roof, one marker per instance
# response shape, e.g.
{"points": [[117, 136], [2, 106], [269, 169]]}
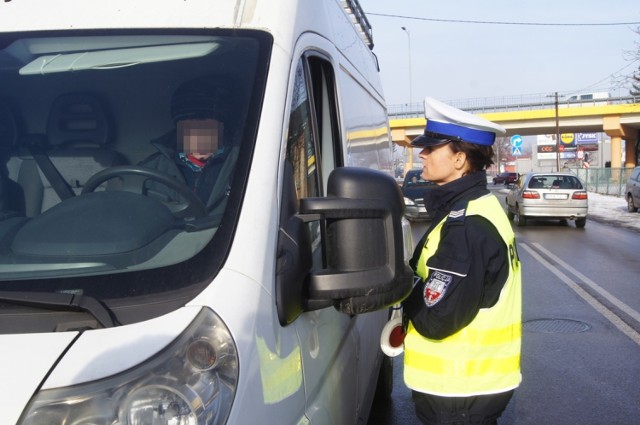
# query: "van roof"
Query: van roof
{"points": [[201, 14]]}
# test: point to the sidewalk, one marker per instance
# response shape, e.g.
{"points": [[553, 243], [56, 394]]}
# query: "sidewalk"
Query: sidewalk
{"points": [[612, 210]]}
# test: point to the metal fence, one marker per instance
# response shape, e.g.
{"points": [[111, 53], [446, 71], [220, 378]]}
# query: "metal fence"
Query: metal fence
{"points": [[606, 181]]}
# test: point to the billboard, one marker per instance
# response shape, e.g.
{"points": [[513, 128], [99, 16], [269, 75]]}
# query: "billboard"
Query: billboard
{"points": [[587, 138]]}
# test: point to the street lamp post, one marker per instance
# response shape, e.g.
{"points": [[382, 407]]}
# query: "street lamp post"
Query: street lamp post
{"points": [[410, 79]]}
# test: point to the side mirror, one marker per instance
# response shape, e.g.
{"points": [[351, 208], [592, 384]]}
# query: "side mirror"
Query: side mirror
{"points": [[365, 269], [363, 248]]}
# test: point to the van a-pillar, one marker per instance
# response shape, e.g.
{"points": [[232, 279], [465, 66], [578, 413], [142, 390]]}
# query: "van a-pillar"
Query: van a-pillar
{"points": [[611, 125]]}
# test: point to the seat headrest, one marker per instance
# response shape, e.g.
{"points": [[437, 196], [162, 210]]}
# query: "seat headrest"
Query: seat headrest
{"points": [[78, 119]]}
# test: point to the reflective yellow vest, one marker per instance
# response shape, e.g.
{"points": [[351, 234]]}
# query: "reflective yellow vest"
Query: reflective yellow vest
{"points": [[484, 357]]}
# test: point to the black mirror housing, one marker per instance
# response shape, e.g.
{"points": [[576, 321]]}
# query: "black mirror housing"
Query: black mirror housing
{"points": [[365, 269]]}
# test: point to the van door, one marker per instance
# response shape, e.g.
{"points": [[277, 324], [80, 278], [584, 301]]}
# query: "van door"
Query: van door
{"points": [[327, 337]]}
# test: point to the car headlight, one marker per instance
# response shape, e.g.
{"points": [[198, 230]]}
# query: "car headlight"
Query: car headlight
{"points": [[408, 201], [191, 382]]}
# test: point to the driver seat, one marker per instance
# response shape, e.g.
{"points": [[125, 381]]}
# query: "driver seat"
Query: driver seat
{"points": [[79, 132]]}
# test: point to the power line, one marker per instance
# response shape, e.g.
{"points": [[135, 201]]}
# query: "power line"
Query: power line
{"points": [[612, 75], [461, 21]]}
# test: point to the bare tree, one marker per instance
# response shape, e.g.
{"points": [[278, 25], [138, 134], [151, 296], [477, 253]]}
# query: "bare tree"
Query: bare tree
{"points": [[635, 78]]}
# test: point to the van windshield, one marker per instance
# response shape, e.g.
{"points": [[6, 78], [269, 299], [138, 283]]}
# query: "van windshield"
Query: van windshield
{"points": [[123, 158]]}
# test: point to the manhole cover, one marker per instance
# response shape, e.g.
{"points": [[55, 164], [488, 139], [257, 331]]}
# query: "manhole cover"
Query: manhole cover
{"points": [[556, 326]]}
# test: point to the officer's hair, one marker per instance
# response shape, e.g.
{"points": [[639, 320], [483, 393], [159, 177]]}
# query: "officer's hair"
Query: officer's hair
{"points": [[479, 157]]}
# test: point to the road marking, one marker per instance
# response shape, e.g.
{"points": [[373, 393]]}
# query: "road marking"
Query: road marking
{"points": [[597, 305], [622, 306]]}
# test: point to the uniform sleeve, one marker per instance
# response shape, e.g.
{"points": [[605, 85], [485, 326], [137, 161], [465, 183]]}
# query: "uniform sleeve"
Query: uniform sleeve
{"points": [[466, 273]]}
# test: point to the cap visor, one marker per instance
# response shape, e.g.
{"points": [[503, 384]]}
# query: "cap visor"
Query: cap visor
{"points": [[424, 140]]}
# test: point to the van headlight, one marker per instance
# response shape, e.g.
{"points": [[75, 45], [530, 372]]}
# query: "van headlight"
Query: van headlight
{"points": [[191, 382]]}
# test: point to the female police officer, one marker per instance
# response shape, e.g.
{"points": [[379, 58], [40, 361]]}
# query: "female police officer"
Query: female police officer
{"points": [[462, 348]]}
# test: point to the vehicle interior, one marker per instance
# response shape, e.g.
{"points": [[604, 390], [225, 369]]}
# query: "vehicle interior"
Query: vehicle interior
{"points": [[79, 115], [414, 178], [554, 182]]}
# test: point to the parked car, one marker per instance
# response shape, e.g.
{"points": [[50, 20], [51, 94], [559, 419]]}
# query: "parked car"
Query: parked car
{"points": [[560, 196], [632, 191], [413, 189], [505, 178]]}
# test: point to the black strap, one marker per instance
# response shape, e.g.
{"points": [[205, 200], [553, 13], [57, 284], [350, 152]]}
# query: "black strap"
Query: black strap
{"points": [[35, 144]]}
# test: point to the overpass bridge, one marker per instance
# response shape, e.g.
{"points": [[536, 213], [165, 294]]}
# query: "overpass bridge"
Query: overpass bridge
{"points": [[618, 117]]}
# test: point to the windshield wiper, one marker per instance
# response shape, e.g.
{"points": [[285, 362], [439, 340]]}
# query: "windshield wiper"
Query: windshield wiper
{"points": [[64, 302]]}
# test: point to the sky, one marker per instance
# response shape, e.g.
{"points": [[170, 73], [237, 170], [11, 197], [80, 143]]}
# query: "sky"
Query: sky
{"points": [[462, 60]]}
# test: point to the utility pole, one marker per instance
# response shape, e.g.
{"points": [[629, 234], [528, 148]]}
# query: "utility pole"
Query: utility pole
{"points": [[499, 148]]}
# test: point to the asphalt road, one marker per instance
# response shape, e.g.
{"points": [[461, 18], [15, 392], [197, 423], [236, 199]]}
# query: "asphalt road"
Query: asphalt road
{"points": [[581, 330]]}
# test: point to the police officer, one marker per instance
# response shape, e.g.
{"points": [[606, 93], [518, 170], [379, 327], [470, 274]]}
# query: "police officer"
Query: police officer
{"points": [[462, 348]]}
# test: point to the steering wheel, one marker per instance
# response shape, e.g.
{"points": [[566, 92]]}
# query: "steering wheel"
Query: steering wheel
{"points": [[194, 207]]}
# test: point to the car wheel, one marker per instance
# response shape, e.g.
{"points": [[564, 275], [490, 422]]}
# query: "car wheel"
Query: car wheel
{"points": [[520, 220], [509, 212], [580, 222], [630, 205]]}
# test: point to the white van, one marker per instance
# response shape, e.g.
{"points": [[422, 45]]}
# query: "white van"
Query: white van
{"points": [[257, 298]]}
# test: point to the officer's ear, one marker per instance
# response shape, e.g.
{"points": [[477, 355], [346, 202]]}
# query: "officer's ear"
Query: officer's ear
{"points": [[460, 161]]}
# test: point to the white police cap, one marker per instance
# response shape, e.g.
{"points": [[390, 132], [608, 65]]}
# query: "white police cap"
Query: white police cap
{"points": [[446, 123]]}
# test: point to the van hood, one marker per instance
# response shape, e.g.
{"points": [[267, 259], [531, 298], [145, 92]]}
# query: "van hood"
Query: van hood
{"points": [[25, 361]]}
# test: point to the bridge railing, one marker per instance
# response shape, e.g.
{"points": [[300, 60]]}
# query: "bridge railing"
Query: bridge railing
{"points": [[506, 104]]}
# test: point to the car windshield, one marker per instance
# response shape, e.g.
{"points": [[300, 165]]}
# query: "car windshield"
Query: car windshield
{"points": [[415, 179], [554, 182], [124, 157]]}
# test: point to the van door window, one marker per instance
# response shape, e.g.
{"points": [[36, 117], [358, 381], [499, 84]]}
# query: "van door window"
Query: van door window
{"points": [[301, 144], [313, 135], [323, 85]]}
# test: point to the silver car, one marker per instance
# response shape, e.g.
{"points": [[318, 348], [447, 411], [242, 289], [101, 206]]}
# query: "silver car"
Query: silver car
{"points": [[413, 190], [632, 191], [559, 196]]}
